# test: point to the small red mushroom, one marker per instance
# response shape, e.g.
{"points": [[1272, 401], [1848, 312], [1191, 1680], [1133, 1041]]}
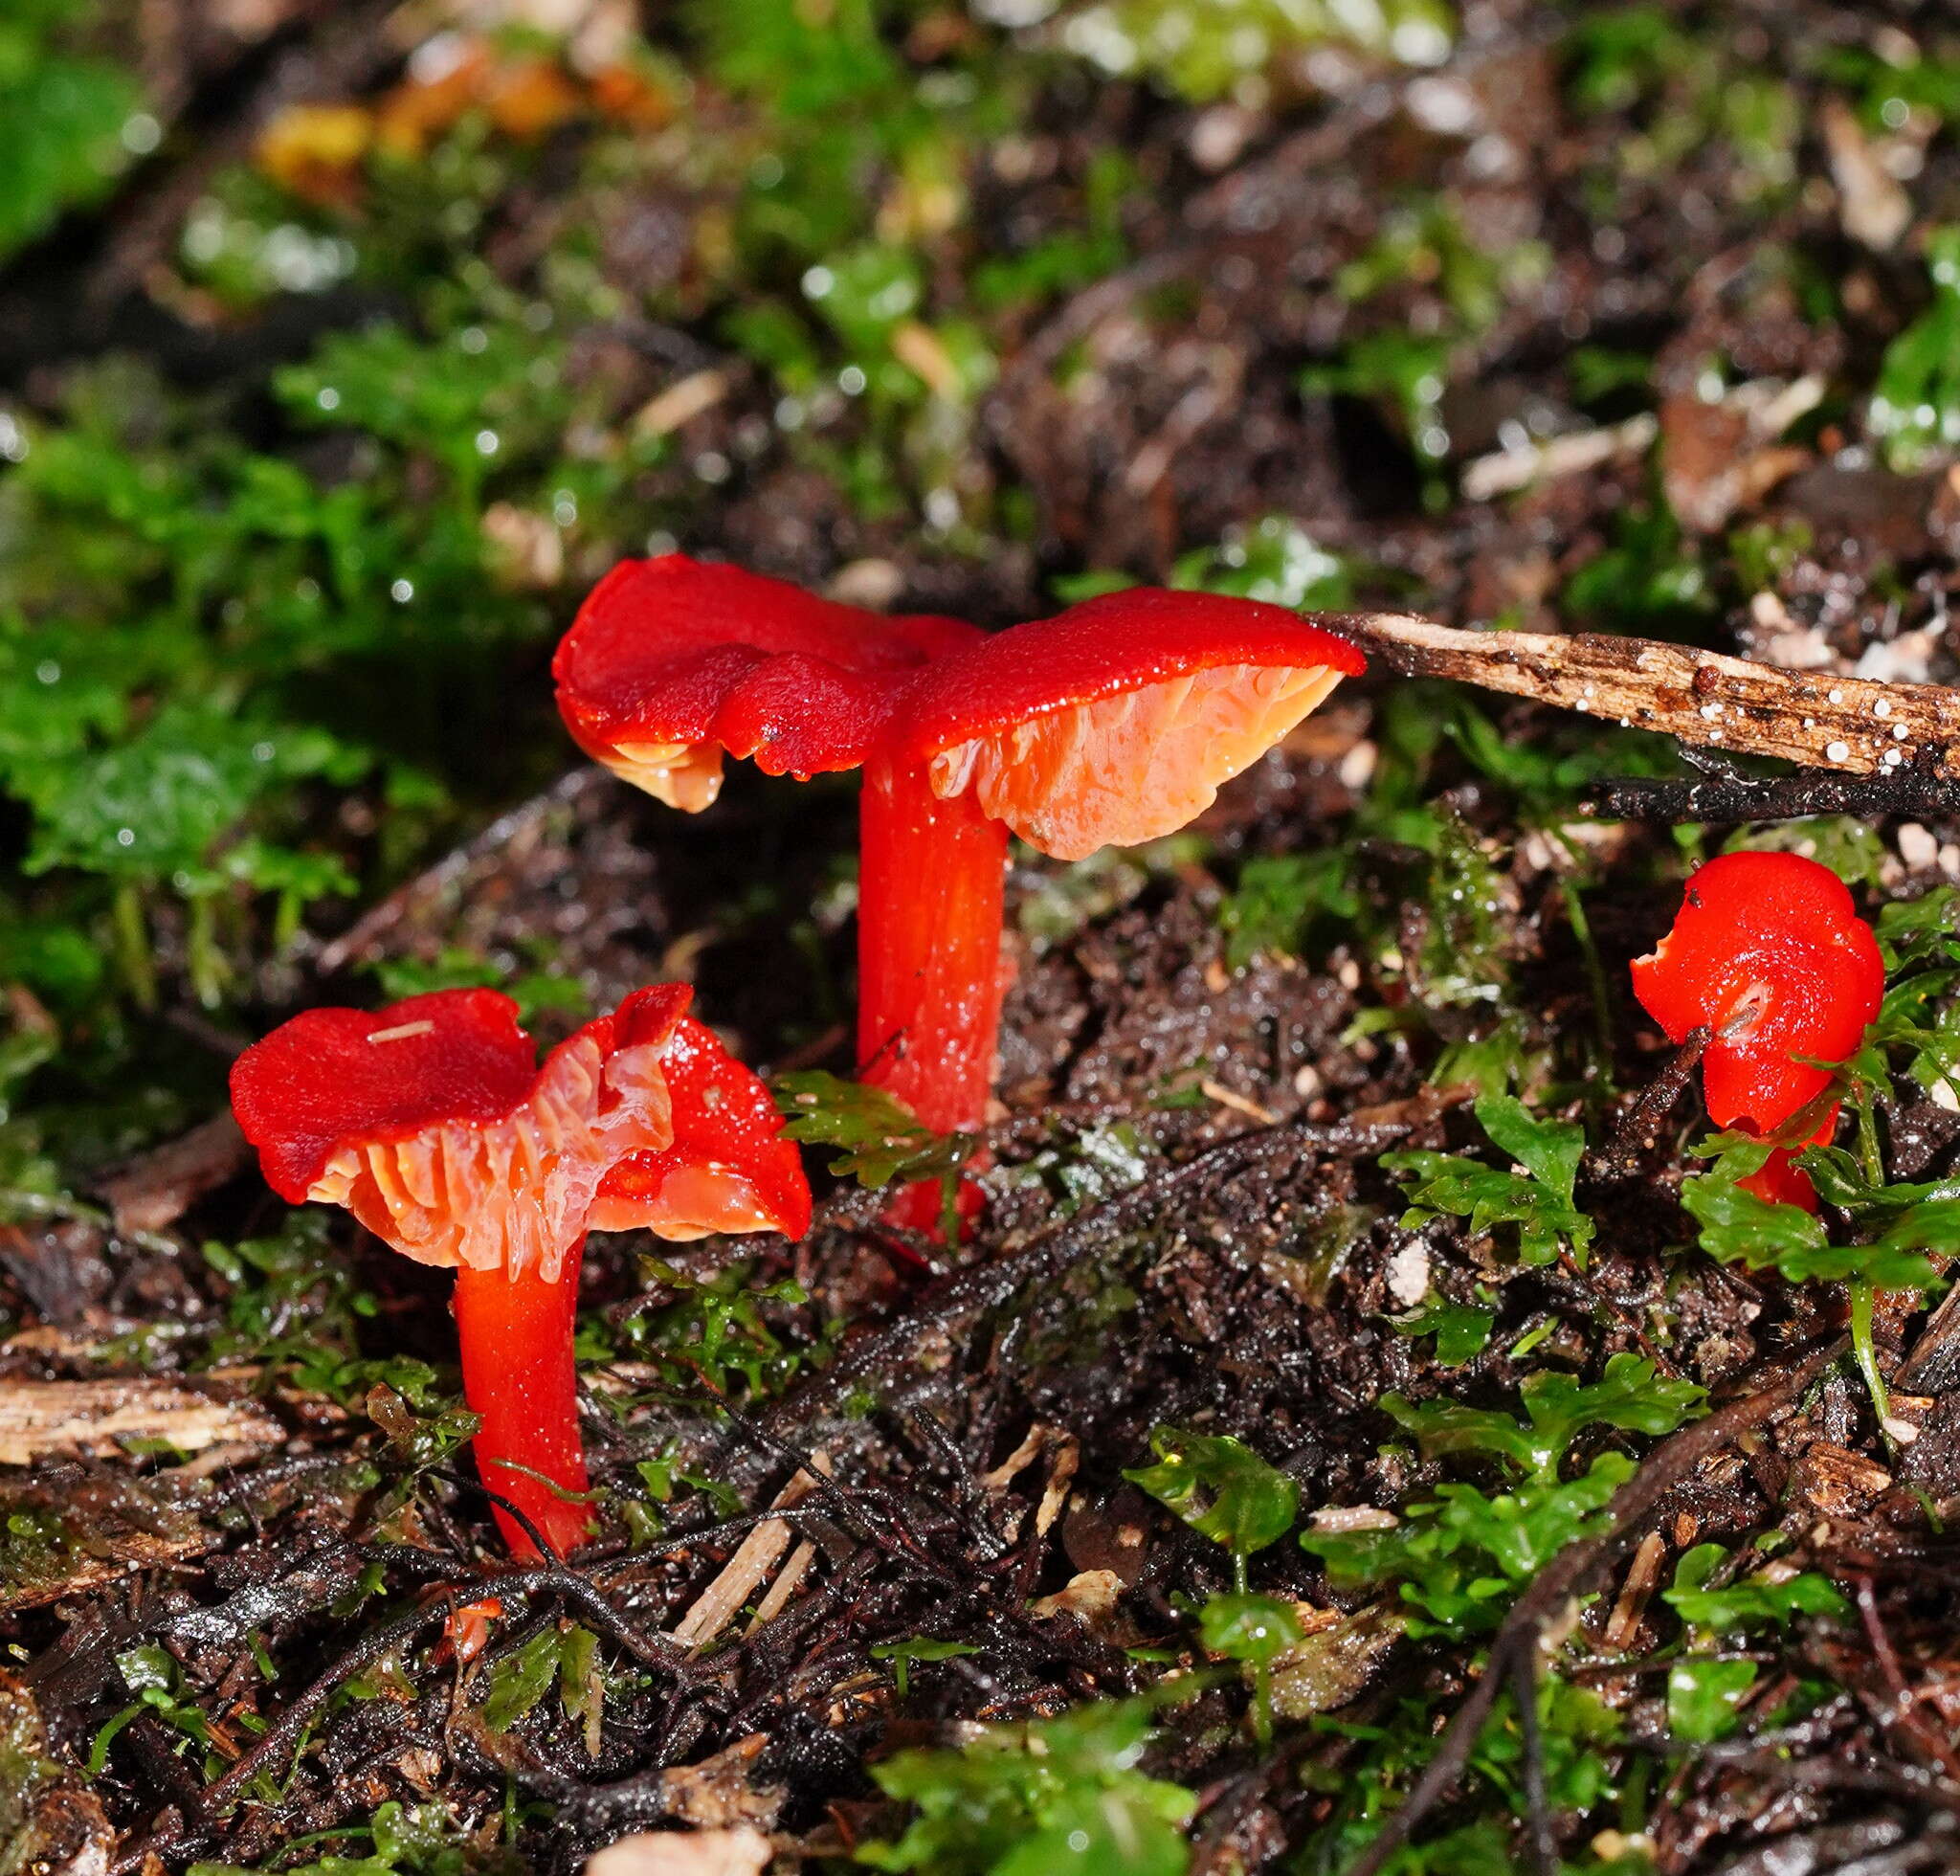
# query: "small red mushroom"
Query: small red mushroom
{"points": [[1114, 722], [466, 1633], [1768, 955], [432, 1121]]}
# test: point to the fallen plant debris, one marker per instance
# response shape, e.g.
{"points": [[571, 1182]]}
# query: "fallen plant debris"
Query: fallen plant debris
{"points": [[1339, 1404]]}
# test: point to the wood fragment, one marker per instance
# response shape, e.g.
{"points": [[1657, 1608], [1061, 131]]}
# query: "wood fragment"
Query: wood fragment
{"points": [[153, 1192], [114, 1556], [1847, 725], [1838, 1481], [1634, 1136], [718, 1794], [39, 1419], [789, 1580], [1642, 1573], [742, 1574], [1068, 1456], [1089, 1595], [743, 1851], [1239, 1104], [681, 403], [1723, 795], [1504, 472], [1019, 1460]]}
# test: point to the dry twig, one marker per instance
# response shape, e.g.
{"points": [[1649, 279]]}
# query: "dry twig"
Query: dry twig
{"points": [[1846, 724]]}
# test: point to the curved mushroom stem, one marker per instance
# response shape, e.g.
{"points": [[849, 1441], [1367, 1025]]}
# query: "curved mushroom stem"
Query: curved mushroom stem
{"points": [[518, 1379], [931, 885], [1781, 1183]]}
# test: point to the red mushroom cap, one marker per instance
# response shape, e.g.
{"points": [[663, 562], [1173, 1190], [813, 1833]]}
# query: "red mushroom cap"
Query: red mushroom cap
{"points": [[672, 661], [730, 1168], [432, 1121], [1115, 722], [1767, 951]]}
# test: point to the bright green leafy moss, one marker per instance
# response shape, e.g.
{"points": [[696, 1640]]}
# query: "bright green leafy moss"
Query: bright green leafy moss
{"points": [[69, 122], [1062, 1794], [1538, 1201], [877, 1138], [1203, 48], [1916, 405], [1220, 1486]]}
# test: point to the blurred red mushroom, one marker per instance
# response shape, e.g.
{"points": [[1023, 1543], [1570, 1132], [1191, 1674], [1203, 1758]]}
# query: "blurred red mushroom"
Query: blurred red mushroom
{"points": [[1114, 722], [432, 1121], [1768, 955]]}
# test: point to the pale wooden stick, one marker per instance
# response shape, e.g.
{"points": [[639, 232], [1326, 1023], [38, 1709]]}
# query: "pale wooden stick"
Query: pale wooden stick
{"points": [[1730, 704], [787, 1581], [755, 1556], [38, 1419]]}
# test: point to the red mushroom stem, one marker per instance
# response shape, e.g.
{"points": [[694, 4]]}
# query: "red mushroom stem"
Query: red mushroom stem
{"points": [[515, 1336], [930, 892]]}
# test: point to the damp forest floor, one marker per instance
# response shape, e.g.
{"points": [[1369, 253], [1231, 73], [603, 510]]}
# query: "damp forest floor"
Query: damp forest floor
{"points": [[1357, 1335]]}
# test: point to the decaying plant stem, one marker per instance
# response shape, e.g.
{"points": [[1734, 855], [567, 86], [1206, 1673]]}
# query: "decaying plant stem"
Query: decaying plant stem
{"points": [[1847, 725]]}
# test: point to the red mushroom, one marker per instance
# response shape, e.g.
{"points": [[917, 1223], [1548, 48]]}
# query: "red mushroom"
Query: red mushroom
{"points": [[1768, 953], [432, 1121], [1115, 722]]}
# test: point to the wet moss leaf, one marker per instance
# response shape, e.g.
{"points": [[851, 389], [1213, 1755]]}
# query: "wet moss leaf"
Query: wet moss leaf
{"points": [[1703, 1696], [1253, 1628], [918, 1648], [521, 1680], [1447, 1183], [1460, 1329], [1060, 1795], [1277, 899], [1756, 1601], [1631, 1395], [879, 1138], [1549, 1150], [1219, 1487], [1916, 404], [1738, 1227], [1459, 1557]]}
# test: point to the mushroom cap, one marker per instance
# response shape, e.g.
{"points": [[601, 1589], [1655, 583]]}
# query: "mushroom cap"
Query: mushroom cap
{"points": [[1768, 953], [729, 1169], [432, 1121], [672, 661], [1115, 720]]}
